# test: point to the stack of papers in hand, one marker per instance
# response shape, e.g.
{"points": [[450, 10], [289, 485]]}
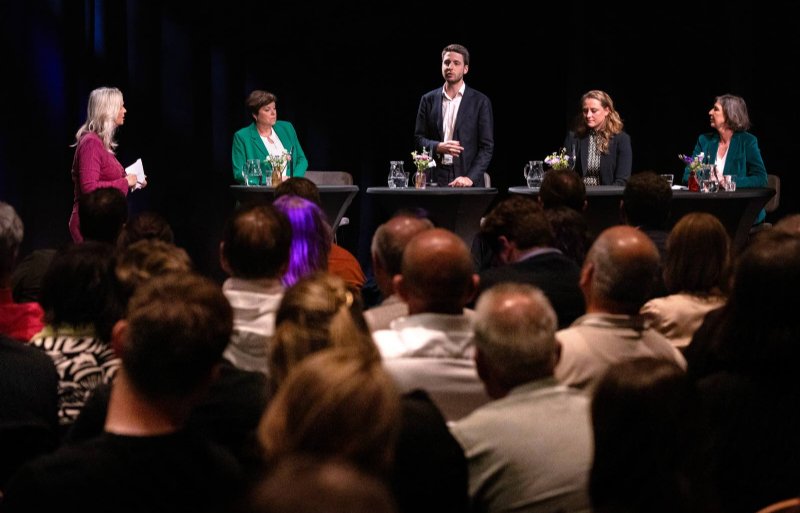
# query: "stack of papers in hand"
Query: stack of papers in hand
{"points": [[136, 169]]}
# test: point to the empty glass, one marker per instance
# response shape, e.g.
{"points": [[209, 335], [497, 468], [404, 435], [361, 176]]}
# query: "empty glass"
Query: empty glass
{"points": [[668, 178], [534, 173], [252, 172]]}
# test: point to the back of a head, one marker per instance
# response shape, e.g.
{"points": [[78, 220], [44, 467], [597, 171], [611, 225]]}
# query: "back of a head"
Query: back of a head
{"points": [[641, 417], [515, 329], [521, 220], [437, 271], [146, 259], [570, 232], [789, 224], [317, 313], [178, 327], [311, 237], [334, 405], [303, 484], [103, 213], [391, 238], [11, 233], [562, 188], [256, 242], [698, 255], [299, 186], [761, 327], [146, 225], [626, 263], [78, 288], [646, 200]]}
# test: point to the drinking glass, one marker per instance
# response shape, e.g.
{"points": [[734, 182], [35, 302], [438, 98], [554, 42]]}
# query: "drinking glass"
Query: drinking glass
{"points": [[669, 178], [730, 183], [252, 172], [534, 173]]}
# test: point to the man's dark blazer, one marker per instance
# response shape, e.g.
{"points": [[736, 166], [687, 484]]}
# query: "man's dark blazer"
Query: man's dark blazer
{"points": [[615, 166], [554, 273], [474, 129]]}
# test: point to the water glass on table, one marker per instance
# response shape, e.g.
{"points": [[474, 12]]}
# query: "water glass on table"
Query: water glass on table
{"points": [[729, 182]]}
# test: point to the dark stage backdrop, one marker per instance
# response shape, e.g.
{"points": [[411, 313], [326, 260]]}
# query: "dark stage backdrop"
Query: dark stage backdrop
{"points": [[350, 79]]}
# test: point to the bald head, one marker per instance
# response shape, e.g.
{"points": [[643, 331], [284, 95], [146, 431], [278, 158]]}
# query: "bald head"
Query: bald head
{"points": [[388, 243], [620, 271], [437, 273]]}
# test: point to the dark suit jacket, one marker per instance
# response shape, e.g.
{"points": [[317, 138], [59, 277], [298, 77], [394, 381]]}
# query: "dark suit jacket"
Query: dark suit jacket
{"points": [[554, 273], [615, 166], [474, 129]]}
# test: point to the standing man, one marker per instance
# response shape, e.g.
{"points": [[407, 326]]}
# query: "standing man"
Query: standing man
{"points": [[455, 124]]}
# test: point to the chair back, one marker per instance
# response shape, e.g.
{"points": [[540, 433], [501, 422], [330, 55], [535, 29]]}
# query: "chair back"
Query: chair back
{"points": [[330, 177], [773, 182]]}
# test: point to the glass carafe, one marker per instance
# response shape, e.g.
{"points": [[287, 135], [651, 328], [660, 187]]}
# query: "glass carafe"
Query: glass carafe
{"points": [[397, 175], [534, 173]]}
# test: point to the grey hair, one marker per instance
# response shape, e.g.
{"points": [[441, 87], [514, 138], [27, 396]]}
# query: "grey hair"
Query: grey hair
{"points": [[628, 282], [101, 115], [11, 233], [735, 111], [518, 340]]}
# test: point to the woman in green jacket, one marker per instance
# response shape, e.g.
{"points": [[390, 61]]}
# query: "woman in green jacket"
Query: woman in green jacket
{"points": [[266, 136]]}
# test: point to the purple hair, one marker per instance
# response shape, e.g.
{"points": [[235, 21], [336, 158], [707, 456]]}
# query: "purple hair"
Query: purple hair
{"points": [[311, 237]]}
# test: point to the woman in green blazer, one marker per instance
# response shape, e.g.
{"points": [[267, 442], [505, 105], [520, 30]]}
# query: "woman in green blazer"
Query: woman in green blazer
{"points": [[265, 136], [734, 150]]}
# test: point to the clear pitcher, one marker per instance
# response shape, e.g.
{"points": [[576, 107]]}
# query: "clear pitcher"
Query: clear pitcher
{"points": [[397, 175], [252, 172], [534, 173]]}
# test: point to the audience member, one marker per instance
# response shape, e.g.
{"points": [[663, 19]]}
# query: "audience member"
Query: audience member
{"points": [[229, 413], [146, 460], [255, 252], [789, 224], [455, 123], [104, 212], [432, 348], [334, 404], [303, 484], [522, 243], [388, 243], [646, 205], [26, 279], [530, 449], [311, 237], [340, 261], [695, 274], [745, 360], [146, 225], [570, 232], [17, 320], [429, 473], [642, 417], [616, 279], [562, 188], [81, 307], [599, 145]]}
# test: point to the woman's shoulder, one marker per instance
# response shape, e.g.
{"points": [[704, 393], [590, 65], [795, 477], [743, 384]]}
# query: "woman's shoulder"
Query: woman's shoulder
{"points": [[244, 131], [745, 136]]}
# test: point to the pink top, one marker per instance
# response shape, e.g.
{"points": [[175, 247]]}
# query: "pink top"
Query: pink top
{"points": [[94, 167]]}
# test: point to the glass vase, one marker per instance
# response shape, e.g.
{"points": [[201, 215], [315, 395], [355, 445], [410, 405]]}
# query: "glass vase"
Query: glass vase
{"points": [[693, 184], [277, 176], [420, 179]]}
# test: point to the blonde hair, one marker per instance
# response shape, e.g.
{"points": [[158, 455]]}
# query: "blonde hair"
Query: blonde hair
{"points": [[101, 116], [318, 312], [612, 124], [334, 405]]}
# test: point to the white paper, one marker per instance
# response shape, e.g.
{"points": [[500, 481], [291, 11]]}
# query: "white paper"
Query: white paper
{"points": [[136, 169]]}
